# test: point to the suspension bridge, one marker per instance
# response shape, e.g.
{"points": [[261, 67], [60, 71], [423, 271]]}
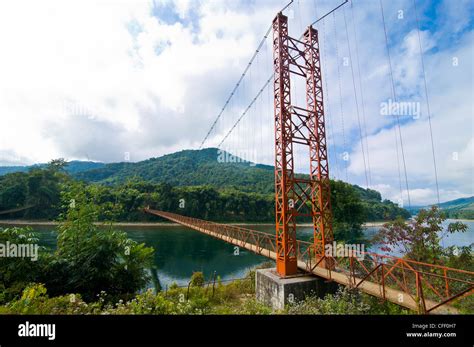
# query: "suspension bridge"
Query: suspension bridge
{"points": [[292, 79]]}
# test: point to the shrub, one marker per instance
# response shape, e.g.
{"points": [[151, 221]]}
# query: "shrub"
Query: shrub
{"points": [[197, 279], [16, 272], [89, 259], [343, 302]]}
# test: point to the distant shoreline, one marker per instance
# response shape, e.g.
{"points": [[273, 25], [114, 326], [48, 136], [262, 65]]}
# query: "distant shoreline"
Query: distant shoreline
{"points": [[155, 224], [123, 224]]}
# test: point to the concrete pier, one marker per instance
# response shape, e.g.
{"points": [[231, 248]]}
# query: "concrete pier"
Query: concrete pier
{"points": [[277, 292]]}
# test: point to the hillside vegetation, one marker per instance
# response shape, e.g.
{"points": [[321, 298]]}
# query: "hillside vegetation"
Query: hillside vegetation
{"points": [[209, 188], [462, 208], [73, 167], [188, 168]]}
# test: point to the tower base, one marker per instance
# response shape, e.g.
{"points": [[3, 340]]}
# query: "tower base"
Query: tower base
{"points": [[275, 291]]}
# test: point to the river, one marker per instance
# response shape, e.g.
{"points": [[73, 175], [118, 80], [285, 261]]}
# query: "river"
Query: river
{"points": [[180, 251]]}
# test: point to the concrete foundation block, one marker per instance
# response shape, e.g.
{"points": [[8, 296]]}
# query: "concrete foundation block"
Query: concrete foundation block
{"points": [[276, 292]]}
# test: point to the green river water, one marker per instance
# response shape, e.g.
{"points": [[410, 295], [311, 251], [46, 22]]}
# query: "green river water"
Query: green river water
{"points": [[180, 251]]}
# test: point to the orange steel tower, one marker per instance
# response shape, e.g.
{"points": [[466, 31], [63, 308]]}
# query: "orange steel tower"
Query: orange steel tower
{"points": [[295, 195]]}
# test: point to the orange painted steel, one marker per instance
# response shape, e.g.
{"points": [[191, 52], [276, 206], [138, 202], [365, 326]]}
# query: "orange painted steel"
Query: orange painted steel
{"points": [[285, 225], [294, 126], [416, 285]]}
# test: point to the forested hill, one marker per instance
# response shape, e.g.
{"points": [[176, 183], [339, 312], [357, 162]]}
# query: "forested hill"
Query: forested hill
{"points": [[237, 190], [204, 167], [462, 208], [189, 168], [72, 167]]}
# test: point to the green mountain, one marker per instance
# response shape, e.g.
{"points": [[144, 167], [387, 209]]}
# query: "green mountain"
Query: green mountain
{"points": [[462, 208], [462, 204], [203, 168], [189, 168], [229, 189], [72, 167]]}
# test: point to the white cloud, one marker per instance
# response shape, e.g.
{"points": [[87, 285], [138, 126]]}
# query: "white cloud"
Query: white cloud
{"points": [[63, 60], [95, 79], [450, 89]]}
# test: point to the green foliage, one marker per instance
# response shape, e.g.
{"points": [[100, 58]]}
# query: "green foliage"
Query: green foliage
{"points": [[71, 167], [462, 208], [225, 191], [248, 306], [459, 257], [37, 192], [419, 239], [197, 279], [89, 259], [376, 209], [35, 300], [146, 303], [13, 191], [188, 168], [349, 212], [460, 214], [232, 298], [58, 165], [380, 306], [343, 302], [193, 183], [16, 272], [237, 297]]}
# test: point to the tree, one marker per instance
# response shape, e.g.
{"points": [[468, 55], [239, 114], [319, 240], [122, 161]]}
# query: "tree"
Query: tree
{"points": [[419, 238], [57, 165], [90, 259], [13, 190], [17, 272], [348, 212]]}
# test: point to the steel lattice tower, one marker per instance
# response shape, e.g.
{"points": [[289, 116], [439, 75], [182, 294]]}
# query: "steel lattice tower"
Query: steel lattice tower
{"points": [[297, 196]]}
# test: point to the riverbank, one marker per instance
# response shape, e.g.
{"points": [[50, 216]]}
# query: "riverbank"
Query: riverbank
{"points": [[157, 224], [17, 222], [53, 223]]}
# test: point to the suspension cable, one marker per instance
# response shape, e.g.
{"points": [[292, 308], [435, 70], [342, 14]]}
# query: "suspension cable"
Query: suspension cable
{"points": [[240, 79], [427, 102], [356, 101], [327, 103], [271, 77], [327, 14], [392, 89], [395, 100], [340, 94], [361, 94], [247, 109]]}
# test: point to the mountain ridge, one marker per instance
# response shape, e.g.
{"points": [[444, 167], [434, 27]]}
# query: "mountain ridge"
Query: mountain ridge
{"points": [[169, 168], [74, 166], [208, 172], [461, 208]]}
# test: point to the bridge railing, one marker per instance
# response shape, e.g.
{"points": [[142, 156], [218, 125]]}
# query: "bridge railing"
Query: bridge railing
{"points": [[263, 242], [429, 285]]}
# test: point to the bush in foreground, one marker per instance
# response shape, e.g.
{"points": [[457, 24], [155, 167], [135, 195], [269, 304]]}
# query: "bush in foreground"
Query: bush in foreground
{"points": [[233, 298]]}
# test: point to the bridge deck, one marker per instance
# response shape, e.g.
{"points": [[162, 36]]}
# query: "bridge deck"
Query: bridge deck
{"points": [[393, 284]]}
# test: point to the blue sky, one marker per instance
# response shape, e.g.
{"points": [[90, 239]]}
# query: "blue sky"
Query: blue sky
{"points": [[149, 77]]}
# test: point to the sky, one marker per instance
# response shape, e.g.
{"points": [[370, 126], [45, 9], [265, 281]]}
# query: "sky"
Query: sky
{"points": [[127, 80]]}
